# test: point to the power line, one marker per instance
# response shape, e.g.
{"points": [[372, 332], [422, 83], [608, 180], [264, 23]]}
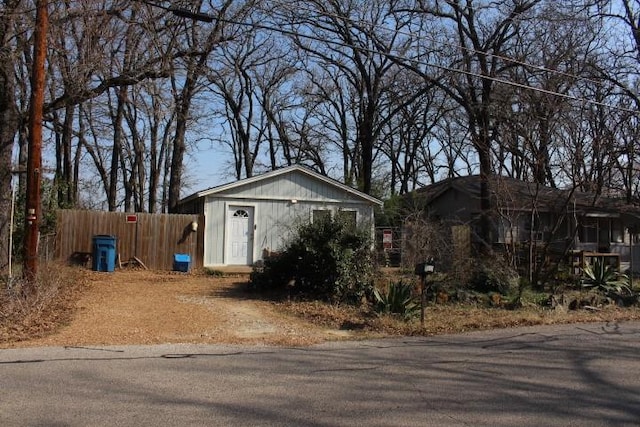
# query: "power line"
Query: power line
{"points": [[406, 60], [182, 12], [206, 17], [453, 45]]}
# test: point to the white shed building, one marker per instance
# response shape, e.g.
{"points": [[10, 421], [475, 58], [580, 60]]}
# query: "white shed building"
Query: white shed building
{"points": [[248, 218]]}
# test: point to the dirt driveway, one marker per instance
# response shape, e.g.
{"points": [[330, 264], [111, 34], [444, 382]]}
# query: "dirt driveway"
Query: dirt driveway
{"points": [[142, 307]]}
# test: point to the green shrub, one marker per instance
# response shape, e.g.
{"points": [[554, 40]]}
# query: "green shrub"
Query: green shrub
{"points": [[398, 299], [328, 259]]}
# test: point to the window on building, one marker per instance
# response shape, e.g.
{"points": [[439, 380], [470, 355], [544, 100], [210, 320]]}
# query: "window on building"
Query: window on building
{"points": [[588, 231], [507, 233], [617, 233], [241, 213], [349, 217], [538, 227], [601, 230], [604, 231], [320, 215]]}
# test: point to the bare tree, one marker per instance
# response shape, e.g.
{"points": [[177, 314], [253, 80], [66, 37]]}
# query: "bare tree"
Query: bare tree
{"points": [[150, 119], [329, 103], [408, 139], [202, 43], [559, 49], [234, 79], [97, 50], [627, 132], [275, 80], [622, 69], [602, 147], [484, 33], [74, 55], [9, 117], [348, 43], [452, 135]]}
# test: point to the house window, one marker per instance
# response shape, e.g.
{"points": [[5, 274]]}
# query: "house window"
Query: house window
{"points": [[601, 230], [538, 228], [531, 228], [507, 233], [588, 232], [617, 235], [604, 228], [320, 215], [349, 217]]}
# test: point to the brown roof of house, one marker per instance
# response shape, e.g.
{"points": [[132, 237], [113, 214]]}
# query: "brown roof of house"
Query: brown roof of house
{"points": [[522, 195]]}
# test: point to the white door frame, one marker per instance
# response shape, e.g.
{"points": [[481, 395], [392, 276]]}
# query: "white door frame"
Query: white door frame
{"points": [[251, 235]]}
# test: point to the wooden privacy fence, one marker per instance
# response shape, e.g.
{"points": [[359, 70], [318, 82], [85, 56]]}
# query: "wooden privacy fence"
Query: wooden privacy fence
{"points": [[152, 239]]}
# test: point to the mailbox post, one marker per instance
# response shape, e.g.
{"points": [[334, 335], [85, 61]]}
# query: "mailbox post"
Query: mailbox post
{"points": [[422, 270]]}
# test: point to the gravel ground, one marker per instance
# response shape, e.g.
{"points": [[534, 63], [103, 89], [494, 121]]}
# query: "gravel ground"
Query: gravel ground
{"points": [[145, 307]]}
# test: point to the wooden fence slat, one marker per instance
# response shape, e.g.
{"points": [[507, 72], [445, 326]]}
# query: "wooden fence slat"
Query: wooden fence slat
{"points": [[159, 236]]}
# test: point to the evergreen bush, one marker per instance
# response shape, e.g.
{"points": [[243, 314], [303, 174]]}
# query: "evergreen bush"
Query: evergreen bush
{"points": [[329, 259]]}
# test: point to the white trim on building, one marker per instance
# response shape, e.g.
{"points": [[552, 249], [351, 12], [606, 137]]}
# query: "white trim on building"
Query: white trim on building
{"points": [[277, 202]]}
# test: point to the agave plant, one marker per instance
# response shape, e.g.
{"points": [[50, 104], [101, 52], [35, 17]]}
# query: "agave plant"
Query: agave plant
{"points": [[398, 299], [605, 278]]}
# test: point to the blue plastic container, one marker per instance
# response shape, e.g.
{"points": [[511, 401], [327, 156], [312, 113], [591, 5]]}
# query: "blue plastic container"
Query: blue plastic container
{"points": [[104, 253], [181, 262]]}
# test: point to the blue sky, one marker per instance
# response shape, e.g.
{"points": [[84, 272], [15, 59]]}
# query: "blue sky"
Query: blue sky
{"points": [[207, 167]]}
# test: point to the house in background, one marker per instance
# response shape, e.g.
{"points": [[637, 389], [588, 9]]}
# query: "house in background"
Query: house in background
{"points": [[524, 212], [253, 216]]}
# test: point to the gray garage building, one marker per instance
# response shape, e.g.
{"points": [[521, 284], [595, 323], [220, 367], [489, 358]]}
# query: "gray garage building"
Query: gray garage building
{"points": [[250, 217]]}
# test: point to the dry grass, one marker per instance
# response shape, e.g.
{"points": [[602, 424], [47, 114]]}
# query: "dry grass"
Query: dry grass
{"points": [[448, 318], [72, 306], [31, 311]]}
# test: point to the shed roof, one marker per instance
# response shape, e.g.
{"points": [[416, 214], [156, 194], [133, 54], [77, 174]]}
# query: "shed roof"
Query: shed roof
{"points": [[289, 169]]}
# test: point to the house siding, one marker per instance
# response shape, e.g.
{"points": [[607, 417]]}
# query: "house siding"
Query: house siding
{"points": [[214, 212], [290, 186], [275, 221], [280, 204]]}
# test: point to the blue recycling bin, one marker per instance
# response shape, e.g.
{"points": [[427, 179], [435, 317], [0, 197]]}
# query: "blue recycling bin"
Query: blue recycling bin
{"points": [[181, 262], [104, 253]]}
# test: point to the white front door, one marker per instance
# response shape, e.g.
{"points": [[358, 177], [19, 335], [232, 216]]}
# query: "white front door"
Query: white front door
{"points": [[240, 235]]}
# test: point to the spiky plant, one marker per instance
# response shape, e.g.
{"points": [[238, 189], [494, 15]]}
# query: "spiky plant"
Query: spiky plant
{"points": [[397, 299], [605, 278]]}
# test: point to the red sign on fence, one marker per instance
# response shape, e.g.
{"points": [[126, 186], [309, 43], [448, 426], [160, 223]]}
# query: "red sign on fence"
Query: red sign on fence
{"points": [[387, 239], [132, 219]]}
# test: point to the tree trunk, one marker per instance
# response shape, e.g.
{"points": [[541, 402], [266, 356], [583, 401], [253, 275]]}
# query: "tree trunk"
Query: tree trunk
{"points": [[64, 166], [9, 124], [116, 152], [179, 146]]}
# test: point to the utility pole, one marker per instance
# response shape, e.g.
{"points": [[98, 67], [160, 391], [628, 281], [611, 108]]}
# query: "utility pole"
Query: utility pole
{"points": [[33, 208], [34, 161]]}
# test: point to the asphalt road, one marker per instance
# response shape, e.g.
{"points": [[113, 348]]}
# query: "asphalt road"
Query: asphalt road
{"points": [[576, 375]]}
